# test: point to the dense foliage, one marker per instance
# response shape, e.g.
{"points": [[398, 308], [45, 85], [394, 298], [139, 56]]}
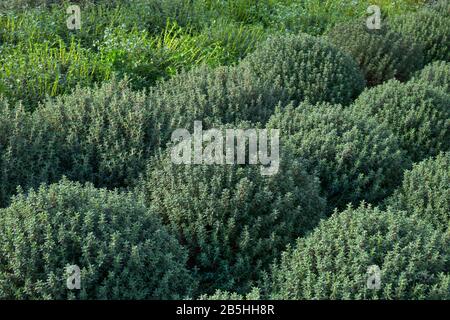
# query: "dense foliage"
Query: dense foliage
{"points": [[436, 74], [31, 72], [233, 220], [417, 113], [145, 40], [355, 157], [429, 28], [103, 135], [100, 105], [425, 191], [381, 54], [316, 17], [119, 245], [441, 7], [333, 262], [26, 154], [220, 95], [306, 67]]}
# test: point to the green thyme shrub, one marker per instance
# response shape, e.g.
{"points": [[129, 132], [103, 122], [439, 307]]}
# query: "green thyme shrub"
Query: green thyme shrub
{"points": [[104, 134], [436, 74], [306, 67], [381, 54], [425, 191], [33, 25], [354, 157], [333, 262], [120, 246], [315, 17], [28, 151], [233, 220], [417, 113], [429, 29], [220, 95]]}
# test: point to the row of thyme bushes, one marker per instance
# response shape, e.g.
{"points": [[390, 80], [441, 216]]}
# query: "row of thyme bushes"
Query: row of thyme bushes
{"points": [[207, 227], [383, 152], [124, 251], [105, 134], [407, 238], [407, 242], [360, 151], [436, 74], [121, 247], [225, 216], [428, 27], [282, 69]]}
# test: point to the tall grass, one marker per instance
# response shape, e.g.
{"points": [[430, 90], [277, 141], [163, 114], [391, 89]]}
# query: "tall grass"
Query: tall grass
{"points": [[148, 40], [31, 71]]}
